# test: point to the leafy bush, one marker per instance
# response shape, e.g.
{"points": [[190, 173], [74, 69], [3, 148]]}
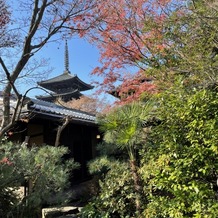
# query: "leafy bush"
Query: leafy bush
{"points": [[181, 164], [116, 197]]}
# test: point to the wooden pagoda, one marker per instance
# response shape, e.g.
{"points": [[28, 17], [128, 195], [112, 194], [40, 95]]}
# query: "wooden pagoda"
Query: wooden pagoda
{"points": [[65, 86]]}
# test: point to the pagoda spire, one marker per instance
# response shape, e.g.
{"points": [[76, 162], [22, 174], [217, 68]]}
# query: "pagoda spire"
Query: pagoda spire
{"points": [[66, 58]]}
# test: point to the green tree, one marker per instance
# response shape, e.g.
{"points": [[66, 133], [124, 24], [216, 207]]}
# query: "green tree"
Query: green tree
{"points": [[190, 42], [123, 127], [42, 168], [180, 166]]}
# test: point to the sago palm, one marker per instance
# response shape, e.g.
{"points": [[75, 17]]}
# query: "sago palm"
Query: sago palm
{"points": [[123, 127]]}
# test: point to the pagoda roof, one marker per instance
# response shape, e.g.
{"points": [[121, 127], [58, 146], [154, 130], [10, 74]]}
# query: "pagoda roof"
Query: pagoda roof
{"points": [[65, 96], [65, 81], [66, 85]]}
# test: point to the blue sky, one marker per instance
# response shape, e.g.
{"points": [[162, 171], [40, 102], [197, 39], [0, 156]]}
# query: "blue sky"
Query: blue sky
{"points": [[83, 57]]}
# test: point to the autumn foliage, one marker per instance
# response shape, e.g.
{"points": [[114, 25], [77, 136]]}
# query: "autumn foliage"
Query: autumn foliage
{"points": [[154, 40], [130, 38]]}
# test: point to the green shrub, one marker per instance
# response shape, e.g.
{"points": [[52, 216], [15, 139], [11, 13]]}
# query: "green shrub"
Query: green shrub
{"points": [[42, 168], [116, 197], [181, 164]]}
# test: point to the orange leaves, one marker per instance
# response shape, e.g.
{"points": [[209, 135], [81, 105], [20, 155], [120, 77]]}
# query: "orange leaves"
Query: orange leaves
{"points": [[87, 104], [84, 103]]}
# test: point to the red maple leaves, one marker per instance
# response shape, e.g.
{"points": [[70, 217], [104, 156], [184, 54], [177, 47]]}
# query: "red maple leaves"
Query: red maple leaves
{"points": [[129, 35]]}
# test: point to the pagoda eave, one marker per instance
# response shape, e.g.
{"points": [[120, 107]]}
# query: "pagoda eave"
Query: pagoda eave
{"points": [[65, 80], [63, 96]]}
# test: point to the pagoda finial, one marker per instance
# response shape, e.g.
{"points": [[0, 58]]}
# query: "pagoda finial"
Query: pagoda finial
{"points": [[66, 59]]}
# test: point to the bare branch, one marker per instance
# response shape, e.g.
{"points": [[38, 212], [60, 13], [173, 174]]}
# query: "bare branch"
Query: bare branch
{"points": [[9, 77], [60, 129]]}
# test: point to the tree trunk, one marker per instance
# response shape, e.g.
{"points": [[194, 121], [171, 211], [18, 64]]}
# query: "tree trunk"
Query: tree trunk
{"points": [[137, 185], [60, 129], [9, 117]]}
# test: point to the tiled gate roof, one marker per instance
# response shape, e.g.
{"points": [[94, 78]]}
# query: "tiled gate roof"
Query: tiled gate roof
{"points": [[54, 110]]}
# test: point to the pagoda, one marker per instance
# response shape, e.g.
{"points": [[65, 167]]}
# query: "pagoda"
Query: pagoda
{"points": [[65, 86]]}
